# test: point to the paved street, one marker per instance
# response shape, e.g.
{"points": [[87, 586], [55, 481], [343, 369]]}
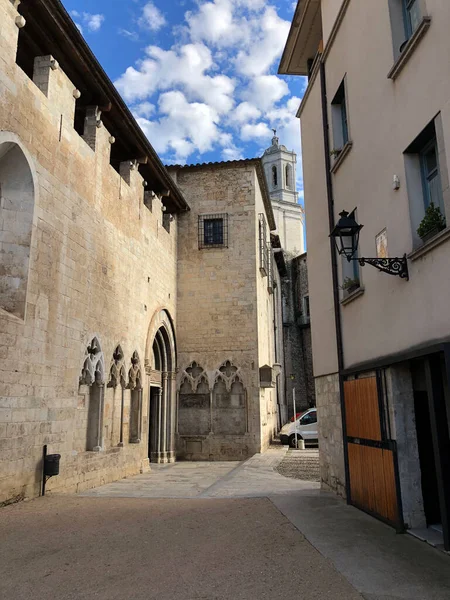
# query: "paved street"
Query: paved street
{"points": [[211, 531], [256, 477]]}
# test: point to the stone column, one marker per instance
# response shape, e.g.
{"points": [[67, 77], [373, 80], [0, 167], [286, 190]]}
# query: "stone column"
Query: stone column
{"points": [[172, 417], [211, 413], [98, 447], [140, 394], [164, 417], [122, 405], [156, 429]]}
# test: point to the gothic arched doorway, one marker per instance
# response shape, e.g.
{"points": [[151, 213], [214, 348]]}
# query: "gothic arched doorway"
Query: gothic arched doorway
{"points": [[160, 365]]}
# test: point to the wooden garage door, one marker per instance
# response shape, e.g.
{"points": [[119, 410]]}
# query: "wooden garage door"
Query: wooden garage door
{"points": [[371, 456]]}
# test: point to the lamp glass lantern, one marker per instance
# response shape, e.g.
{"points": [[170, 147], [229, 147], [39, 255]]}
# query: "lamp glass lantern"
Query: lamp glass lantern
{"points": [[346, 235]]}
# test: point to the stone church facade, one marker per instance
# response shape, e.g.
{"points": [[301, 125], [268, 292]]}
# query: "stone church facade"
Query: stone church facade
{"points": [[96, 343]]}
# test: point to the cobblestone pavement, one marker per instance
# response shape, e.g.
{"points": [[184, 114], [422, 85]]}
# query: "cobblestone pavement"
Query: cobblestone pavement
{"points": [[256, 477], [301, 464]]}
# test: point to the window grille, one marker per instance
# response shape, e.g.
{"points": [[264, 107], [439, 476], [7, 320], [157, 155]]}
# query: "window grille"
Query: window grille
{"points": [[213, 231], [263, 258]]}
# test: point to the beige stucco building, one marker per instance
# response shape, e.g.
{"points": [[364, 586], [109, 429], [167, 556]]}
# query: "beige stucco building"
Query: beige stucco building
{"points": [[376, 135], [95, 270]]}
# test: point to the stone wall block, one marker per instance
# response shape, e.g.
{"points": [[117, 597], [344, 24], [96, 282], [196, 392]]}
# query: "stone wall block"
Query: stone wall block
{"points": [[9, 32], [55, 85]]}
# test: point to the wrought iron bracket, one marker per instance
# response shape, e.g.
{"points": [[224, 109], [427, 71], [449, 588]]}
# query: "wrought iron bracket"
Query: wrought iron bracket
{"points": [[392, 266]]}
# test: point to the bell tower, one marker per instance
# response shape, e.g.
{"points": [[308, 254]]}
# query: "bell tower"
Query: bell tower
{"points": [[280, 165]]}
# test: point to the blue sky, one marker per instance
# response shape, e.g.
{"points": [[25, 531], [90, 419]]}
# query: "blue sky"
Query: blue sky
{"points": [[199, 75]]}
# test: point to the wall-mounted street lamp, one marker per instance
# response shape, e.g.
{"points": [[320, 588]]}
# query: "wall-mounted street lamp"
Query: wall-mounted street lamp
{"points": [[346, 236]]}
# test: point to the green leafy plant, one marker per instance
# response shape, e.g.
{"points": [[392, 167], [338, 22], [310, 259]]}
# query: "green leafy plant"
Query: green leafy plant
{"points": [[350, 284], [432, 221], [335, 152]]}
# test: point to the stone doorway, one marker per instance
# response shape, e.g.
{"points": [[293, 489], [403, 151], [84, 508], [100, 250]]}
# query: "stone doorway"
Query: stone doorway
{"points": [[160, 366]]}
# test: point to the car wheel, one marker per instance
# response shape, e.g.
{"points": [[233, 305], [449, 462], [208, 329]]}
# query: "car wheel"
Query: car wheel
{"points": [[292, 439]]}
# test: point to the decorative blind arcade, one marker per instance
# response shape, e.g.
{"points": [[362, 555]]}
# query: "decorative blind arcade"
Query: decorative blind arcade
{"points": [[213, 231]]}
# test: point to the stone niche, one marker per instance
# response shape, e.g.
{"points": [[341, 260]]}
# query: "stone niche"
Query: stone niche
{"points": [[194, 410], [16, 221]]}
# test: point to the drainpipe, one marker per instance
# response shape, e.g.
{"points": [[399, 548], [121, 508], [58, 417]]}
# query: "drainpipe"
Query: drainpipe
{"points": [[334, 271]]}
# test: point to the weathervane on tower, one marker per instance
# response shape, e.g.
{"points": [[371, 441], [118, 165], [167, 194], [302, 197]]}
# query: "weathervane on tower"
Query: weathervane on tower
{"points": [[275, 140]]}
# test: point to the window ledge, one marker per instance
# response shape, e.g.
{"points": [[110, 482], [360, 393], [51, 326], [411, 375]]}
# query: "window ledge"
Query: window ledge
{"points": [[437, 240], [409, 48], [356, 294], [340, 159]]}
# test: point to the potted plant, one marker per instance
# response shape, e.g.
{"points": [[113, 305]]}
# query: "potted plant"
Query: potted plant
{"points": [[335, 152], [351, 285], [432, 223]]}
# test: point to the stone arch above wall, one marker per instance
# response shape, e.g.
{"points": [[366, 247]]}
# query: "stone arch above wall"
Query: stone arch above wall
{"points": [[193, 375], [229, 374], [17, 202], [161, 325]]}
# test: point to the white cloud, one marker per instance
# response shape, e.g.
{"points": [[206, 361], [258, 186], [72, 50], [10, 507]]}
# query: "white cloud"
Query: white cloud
{"points": [[215, 22], [213, 89], [183, 127], [152, 18], [245, 112], [265, 90], [255, 132], [164, 70], [132, 35], [93, 22], [145, 109], [268, 41], [232, 153]]}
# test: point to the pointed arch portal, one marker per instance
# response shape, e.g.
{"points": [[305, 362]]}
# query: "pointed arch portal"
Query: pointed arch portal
{"points": [[160, 365]]}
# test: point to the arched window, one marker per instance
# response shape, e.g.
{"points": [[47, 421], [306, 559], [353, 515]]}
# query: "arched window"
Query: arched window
{"points": [[135, 386], [93, 376], [16, 220], [288, 176], [274, 176]]}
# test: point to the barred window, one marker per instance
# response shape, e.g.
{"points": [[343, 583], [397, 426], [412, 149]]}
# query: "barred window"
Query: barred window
{"points": [[263, 258], [213, 231]]}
